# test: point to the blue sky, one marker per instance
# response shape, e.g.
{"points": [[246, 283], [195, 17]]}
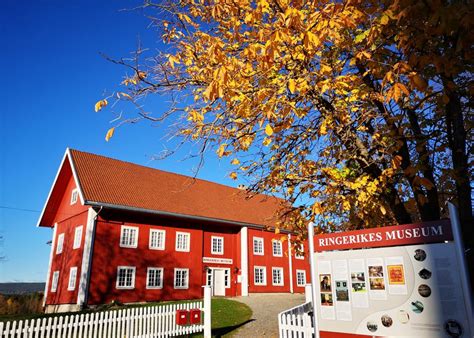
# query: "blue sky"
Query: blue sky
{"points": [[51, 78]]}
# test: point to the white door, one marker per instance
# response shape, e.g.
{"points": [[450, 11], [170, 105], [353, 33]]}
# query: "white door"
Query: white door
{"points": [[219, 282]]}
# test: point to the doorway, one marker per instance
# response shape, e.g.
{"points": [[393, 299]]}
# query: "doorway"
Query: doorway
{"points": [[219, 279]]}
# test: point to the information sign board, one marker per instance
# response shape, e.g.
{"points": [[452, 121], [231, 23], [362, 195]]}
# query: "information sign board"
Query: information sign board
{"points": [[395, 281]]}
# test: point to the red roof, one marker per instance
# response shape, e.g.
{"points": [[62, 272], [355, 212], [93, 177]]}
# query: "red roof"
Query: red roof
{"points": [[110, 182]]}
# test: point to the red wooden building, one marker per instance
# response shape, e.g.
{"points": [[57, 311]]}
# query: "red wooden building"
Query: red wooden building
{"points": [[130, 233]]}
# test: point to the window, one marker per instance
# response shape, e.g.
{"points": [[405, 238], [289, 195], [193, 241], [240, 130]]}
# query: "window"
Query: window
{"points": [[300, 277], [181, 278], [217, 245], [54, 283], [59, 246], [128, 237], [277, 248], [125, 277], [260, 275], [301, 254], [182, 241], [277, 276], [72, 278], [74, 195], [77, 237], [154, 278], [157, 239], [258, 246]]}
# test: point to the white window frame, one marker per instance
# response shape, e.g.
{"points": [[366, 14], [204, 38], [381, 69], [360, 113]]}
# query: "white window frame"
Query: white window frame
{"points": [[264, 275], [55, 280], [126, 245], [74, 196], [186, 282], [126, 287], [280, 246], [71, 286], [163, 236], [297, 256], [282, 280], [260, 240], [297, 279], [77, 237], [60, 244], [186, 235], [148, 286], [217, 238]]}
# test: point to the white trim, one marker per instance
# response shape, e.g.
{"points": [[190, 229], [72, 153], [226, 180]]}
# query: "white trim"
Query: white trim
{"points": [[162, 247], [244, 261], [258, 239], [290, 264], [55, 281], [212, 245], [133, 245], [188, 241], [264, 282], [305, 280], [186, 286], [127, 287], [60, 244], [71, 285], [51, 255], [74, 196], [161, 278], [67, 154], [87, 256], [282, 276], [273, 248], [77, 238]]}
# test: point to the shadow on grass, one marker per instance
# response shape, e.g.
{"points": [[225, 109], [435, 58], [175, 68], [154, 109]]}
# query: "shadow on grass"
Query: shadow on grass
{"points": [[228, 329]]}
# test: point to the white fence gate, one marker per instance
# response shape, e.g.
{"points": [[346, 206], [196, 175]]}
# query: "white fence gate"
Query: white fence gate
{"points": [[296, 322], [150, 321]]}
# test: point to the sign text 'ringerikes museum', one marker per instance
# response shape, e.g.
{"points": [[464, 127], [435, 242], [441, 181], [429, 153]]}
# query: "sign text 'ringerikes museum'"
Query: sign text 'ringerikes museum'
{"points": [[430, 232]]}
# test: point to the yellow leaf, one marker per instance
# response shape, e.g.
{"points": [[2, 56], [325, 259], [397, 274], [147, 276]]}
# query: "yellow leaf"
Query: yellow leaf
{"points": [[382, 209], [235, 161], [384, 20], [109, 134], [233, 175], [292, 85], [100, 104], [277, 231], [396, 162], [269, 130], [221, 150]]}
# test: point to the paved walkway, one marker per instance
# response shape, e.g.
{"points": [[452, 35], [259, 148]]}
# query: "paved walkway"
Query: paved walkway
{"points": [[266, 307]]}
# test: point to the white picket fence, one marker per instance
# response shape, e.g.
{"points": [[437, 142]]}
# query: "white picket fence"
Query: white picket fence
{"points": [[296, 322], [150, 321]]}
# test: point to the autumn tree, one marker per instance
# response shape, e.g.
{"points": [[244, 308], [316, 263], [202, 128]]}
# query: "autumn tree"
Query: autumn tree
{"points": [[356, 112]]}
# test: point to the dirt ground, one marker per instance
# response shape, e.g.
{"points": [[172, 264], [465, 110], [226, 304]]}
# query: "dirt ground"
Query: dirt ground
{"points": [[266, 307]]}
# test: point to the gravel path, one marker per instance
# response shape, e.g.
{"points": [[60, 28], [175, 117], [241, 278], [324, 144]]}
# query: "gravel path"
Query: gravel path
{"points": [[266, 307]]}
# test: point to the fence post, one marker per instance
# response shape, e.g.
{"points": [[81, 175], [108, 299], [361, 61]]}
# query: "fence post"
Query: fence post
{"points": [[207, 311], [308, 293]]}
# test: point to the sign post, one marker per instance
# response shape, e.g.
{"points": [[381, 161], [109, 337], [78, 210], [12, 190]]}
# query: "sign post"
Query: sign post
{"points": [[456, 225], [313, 277]]}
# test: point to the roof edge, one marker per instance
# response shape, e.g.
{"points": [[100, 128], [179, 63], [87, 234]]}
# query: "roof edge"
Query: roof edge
{"points": [[67, 155], [173, 215]]}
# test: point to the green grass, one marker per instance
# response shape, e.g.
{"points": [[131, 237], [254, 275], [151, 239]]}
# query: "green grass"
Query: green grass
{"points": [[228, 315]]}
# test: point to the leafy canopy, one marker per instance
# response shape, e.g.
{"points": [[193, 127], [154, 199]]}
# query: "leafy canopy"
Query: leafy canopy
{"points": [[354, 111]]}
